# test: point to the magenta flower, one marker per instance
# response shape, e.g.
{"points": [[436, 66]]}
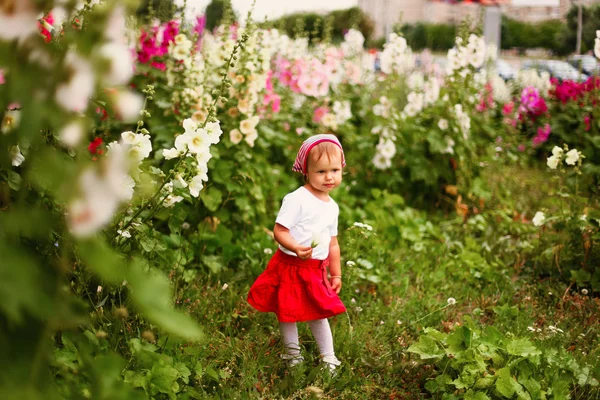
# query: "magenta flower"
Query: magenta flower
{"points": [[542, 135], [532, 103]]}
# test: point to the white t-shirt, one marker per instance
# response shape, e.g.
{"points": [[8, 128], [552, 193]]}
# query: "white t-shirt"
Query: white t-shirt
{"points": [[309, 218]]}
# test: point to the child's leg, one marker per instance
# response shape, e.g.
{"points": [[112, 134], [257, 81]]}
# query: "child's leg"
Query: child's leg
{"points": [[289, 334], [322, 333]]}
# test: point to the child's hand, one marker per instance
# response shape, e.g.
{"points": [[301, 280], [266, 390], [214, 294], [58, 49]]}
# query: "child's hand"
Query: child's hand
{"points": [[304, 253], [336, 284]]}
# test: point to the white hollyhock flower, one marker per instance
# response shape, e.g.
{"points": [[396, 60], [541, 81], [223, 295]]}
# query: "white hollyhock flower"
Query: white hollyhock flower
{"points": [[557, 151], [553, 161], [381, 162], [127, 104], [572, 157], [196, 185], [115, 29], [189, 125], [443, 124], [539, 218], [198, 141], [202, 172], [213, 129], [235, 136], [74, 94], [251, 138], [248, 125], [171, 200], [11, 120], [387, 148], [179, 181], [169, 154], [18, 19], [16, 158], [121, 62], [71, 134]]}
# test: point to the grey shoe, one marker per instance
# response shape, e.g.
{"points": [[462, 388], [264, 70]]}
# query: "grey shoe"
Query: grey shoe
{"points": [[330, 363], [292, 360]]}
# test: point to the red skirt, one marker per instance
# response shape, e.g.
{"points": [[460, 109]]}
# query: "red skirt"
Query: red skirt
{"points": [[295, 290]]}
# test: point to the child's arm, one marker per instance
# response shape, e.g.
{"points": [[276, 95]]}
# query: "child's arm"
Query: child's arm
{"points": [[335, 267], [284, 238]]}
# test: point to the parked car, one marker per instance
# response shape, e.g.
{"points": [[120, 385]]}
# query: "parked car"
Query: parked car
{"points": [[587, 64], [505, 70], [560, 70]]}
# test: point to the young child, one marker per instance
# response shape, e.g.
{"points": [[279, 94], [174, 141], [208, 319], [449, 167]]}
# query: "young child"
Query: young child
{"points": [[295, 285]]}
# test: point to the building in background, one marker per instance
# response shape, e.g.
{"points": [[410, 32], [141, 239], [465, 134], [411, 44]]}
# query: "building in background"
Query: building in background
{"points": [[387, 13]]}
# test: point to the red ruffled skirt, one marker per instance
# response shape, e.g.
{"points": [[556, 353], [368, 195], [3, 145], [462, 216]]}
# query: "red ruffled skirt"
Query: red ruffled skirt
{"points": [[295, 290]]}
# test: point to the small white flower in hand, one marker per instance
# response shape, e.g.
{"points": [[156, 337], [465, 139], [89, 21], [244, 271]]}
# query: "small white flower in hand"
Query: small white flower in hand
{"points": [[316, 239]]}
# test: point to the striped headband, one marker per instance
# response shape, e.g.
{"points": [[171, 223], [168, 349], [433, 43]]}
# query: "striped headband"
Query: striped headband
{"points": [[302, 158]]}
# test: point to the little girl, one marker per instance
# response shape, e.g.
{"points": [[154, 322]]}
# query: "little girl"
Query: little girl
{"points": [[295, 285]]}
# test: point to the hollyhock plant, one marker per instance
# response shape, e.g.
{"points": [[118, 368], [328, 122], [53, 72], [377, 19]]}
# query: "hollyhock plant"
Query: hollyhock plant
{"points": [[45, 27]]}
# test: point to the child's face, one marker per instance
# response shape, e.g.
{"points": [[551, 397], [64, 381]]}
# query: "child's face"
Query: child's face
{"points": [[325, 174]]}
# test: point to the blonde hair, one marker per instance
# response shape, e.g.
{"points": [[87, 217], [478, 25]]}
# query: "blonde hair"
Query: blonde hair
{"points": [[328, 149]]}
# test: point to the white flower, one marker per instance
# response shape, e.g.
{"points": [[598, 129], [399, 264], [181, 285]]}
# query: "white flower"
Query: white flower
{"points": [[597, 45], [127, 104], [74, 94], [552, 162], [386, 148], [248, 125], [317, 238], [539, 218], [443, 124], [557, 151], [180, 181], [120, 60], [381, 162], [171, 200], [235, 136], [225, 286], [451, 301], [251, 138], [350, 263], [125, 233], [71, 134], [99, 289], [11, 120], [169, 154], [572, 157], [584, 291], [198, 141], [16, 158], [268, 250], [18, 19], [214, 131], [196, 185]]}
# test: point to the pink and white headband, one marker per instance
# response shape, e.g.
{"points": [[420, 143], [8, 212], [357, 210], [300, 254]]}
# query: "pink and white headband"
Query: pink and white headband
{"points": [[302, 158]]}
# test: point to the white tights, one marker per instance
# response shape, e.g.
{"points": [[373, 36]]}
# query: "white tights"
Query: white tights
{"points": [[320, 330]]}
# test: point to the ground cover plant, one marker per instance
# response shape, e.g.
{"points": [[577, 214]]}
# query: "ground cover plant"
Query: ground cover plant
{"points": [[142, 165]]}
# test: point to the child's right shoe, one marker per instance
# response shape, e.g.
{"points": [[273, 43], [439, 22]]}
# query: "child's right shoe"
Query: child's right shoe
{"points": [[330, 364]]}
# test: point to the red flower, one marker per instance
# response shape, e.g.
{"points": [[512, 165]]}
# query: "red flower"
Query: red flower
{"points": [[93, 146], [43, 25]]}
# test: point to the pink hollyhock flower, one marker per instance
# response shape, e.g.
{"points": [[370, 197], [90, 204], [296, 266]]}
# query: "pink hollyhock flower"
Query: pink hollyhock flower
{"points": [[320, 113], [45, 27], [508, 108], [542, 135], [269, 81], [2, 79], [532, 103], [521, 147], [274, 100], [587, 120]]}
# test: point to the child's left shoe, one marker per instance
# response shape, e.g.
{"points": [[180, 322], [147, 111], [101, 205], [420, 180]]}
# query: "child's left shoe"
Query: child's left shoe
{"points": [[330, 363]]}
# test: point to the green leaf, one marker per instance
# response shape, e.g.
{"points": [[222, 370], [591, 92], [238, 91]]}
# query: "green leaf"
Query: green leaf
{"points": [[103, 261], [426, 348], [152, 296], [506, 385], [523, 348], [474, 395], [14, 180], [211, 198], [163, 376], [214, 263]]}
